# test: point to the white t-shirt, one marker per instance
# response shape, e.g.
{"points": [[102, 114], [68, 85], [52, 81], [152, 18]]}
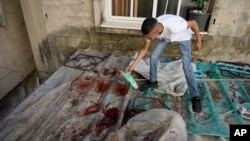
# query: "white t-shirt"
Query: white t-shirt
{"points": [[175, 28]]}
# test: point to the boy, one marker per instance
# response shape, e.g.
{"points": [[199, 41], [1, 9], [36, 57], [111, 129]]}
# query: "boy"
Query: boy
{"points": [[170, 28]]}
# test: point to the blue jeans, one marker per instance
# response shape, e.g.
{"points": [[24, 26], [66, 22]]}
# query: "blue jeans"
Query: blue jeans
{"points": [[185, 47]]}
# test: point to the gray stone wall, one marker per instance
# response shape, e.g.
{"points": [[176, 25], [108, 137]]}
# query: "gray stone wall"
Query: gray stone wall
{"points": [[72, 24], [16, 58], [230, 31]]}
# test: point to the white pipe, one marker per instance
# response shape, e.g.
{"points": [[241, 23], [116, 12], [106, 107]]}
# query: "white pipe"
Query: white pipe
{"points": [[166, 6], [179, 7], [131, 8], [154, 8]]}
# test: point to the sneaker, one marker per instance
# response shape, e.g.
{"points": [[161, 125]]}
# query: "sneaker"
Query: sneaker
{"points": [[196, 104], [147, 85]]}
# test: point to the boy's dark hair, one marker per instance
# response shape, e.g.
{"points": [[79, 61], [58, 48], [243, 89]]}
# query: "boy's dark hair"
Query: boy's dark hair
{"points": [[148, 24]]}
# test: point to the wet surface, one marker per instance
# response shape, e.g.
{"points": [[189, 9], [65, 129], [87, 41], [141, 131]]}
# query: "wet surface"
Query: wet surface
{"points": [[111, 117], [120, 87], [91, 109], [109, 72], [84, 85], [102, 84], [101, 92]]}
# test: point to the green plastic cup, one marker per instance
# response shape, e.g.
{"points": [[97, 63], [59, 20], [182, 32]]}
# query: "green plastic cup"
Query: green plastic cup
{"points": [[127, 76]]}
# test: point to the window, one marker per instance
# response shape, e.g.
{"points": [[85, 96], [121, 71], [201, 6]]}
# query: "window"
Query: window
{"points": [[130, 13]]}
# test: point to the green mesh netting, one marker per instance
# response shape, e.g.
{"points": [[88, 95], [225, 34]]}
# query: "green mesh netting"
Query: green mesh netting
{"points": [[223, 99]]}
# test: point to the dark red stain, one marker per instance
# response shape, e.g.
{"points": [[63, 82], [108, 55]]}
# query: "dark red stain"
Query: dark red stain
{"points": [[120, 87], [91, 109], [100, 128], [84, 85], [109, 71], [102, 84], [105, 71], [110, 118]]}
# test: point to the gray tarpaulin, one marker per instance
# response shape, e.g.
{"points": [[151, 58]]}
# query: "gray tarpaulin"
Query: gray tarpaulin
{"points": [[170, 76], [152, 125], [72, 104], [88, 105]]}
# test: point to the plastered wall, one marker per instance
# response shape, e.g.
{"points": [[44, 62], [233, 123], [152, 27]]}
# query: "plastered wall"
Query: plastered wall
{"points": [[57, 28], [16, 57]]}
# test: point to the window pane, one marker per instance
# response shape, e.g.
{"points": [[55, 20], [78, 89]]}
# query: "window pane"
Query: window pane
{"points": [[144, 8], [141, 8], [171, 6], [121, 8]]}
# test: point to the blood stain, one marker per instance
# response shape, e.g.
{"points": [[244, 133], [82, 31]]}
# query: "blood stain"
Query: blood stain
{"points": [[84, 85], [91, 109], [102, 84], [109, 72], [105, 71], [110, 117], [120, 87]]}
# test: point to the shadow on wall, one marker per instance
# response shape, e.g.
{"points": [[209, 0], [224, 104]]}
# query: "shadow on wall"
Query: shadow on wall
{"points": [[58, 46]]}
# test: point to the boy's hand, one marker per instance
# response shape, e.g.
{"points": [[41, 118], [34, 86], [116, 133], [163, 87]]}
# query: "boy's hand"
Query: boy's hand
{"points": [[128, 69], [198, 46]]}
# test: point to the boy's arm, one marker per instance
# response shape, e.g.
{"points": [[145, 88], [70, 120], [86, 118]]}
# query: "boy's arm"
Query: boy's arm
{"points": [[141, 54], [194, 26]]}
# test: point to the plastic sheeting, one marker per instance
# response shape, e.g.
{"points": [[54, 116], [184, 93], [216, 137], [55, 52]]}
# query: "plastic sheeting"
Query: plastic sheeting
{"points": [[87, 105], [170, 76], [72, 105], [152, 125]]}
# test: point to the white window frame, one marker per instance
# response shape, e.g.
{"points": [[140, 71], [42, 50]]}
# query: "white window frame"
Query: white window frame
{"points": [[127, 22]]}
